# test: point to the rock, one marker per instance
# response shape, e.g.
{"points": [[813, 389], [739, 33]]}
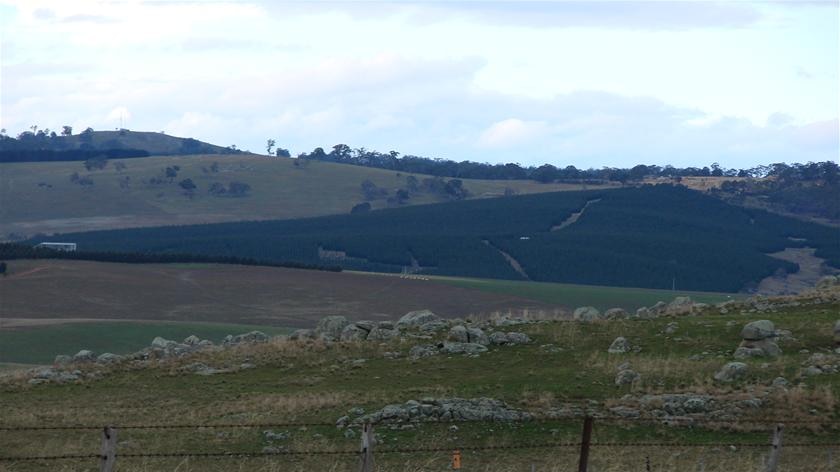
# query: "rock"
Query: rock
{"points": [[251, 337], [272, 436], [201, 368], [812, 370], [62, 359], [626, 377], [416, 319], [446, 409], [747, 352], [420, 351], [353, 332], [679, 306], [758, 330], [500, 338], [731, 372], [780, 382], [615, 314], [330, 327], [644, 313], [108, 358], [764, 347], [192, 340], [586, 314], [619, 346], [381, 334], [671, 328], [463, 348], [84, 356], [463, 334], [162, 343], [302, 334], [837, 332], [53, 375]]}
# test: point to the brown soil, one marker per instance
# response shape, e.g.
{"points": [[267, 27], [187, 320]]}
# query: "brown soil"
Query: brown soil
{"points": [[811, 268], [228, 293]]}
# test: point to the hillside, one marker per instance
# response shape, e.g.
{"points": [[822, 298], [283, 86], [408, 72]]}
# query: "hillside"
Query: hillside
{"points": [[44, 147], [50, 197], [669, 392], [653, 237]]}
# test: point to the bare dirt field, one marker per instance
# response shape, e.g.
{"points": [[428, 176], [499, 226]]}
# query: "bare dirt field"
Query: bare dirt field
{"points": [[811, 268], [60, 290]]}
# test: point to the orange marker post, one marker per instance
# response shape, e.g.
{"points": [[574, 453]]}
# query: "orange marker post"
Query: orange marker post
{"points": [[456, 460]]}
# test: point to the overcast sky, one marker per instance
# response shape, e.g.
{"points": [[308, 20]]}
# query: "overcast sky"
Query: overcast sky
{"points": [[585, 83]]}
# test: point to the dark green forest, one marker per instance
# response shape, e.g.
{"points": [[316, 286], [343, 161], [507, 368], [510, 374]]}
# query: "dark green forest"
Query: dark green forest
{"points": [[650, 236]]}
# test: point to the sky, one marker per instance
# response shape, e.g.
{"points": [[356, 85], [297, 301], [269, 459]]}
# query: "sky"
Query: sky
{"points": [[589, 84]]}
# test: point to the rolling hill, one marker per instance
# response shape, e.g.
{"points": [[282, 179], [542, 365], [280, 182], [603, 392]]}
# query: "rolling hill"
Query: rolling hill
{"points": [[44, 197], [653, 237]]}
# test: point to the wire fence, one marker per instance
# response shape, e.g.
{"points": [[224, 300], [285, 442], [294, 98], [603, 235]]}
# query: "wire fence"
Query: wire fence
{"points": [[109, 454]]}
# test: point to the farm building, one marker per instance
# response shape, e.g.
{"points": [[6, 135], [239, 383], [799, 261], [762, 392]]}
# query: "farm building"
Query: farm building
{"points": [[58, 246]]}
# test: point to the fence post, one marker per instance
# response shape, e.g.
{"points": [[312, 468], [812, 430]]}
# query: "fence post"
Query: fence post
{"points": [[108, 454], [584, 444], [776, 449], [366, 464]]}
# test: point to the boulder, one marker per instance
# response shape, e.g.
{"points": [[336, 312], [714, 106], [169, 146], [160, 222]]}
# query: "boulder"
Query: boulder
{"points": [[382, 334], [416, 319], [162, 343], [586, 314], [420, 351], [644, 313], [62, 359], [837, 332], [353, 332], [764, 347], [192, 340], [445, 409], [619, 346], [731, 371], [251, 337], [680, 306], [671, 328], [626, 377], [463, 334], [84, 356], [463, 348], [615, 314], [758, 330], [330, 327], [301, 334], [53, 375], [108, 358], [500, 338]]}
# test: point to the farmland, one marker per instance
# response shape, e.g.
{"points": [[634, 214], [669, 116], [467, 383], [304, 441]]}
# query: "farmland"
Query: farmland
{"points": [[40, 197], [653, 237]]}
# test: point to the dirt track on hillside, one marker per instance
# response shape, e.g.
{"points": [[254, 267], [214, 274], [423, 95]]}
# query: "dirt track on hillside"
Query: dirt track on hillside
{"points": [[227, 293]]}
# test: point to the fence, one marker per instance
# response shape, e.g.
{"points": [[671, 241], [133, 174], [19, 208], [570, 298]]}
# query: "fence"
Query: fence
{"points": [[108, 455]]}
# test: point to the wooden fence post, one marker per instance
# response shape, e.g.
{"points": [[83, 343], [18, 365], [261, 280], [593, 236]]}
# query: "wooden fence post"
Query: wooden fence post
{"points": [[108, 454], [776, 449], [583, 463], [366, 456]]}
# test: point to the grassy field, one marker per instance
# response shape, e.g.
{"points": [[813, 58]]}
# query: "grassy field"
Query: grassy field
{"points": [[314, 382], [40, 344], [57, 289], [572, 295], [39, 197]]}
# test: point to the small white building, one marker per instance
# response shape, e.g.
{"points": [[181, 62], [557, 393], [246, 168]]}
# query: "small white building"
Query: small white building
{"points": [[58, 246]]}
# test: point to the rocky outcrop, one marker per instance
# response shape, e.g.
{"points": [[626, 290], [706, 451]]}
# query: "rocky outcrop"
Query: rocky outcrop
{"points": [[626, 375], [499, 338], [330, 327], [615, 314], [443, 409], [463, 334], [423, 320]]}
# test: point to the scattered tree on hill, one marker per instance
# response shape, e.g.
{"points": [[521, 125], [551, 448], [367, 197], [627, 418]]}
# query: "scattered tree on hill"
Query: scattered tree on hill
{"points": [[371, 191], [96, 163], [120, 166], [280, 152], [3, 268], [172, 172], [238, 189], [187, 184], [401, 197], [83, 181], [269, 145], [360, 208]]}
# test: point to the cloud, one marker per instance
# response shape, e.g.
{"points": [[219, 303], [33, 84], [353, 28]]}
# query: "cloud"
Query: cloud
{"points": [[510, 132], [802, 73]]}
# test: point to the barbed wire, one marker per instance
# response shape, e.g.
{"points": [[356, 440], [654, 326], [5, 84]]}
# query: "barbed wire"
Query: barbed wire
{"points": [[465, 448], [293, 424]]}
